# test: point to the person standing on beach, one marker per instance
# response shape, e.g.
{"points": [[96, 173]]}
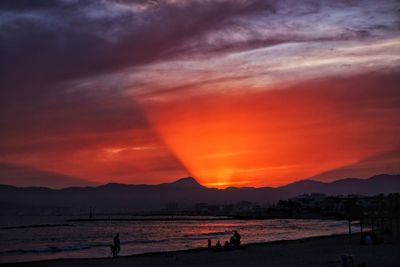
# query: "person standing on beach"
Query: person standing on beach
{"points": [[117, 244]]}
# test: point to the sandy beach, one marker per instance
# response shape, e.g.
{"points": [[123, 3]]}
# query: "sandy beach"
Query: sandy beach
{"points": [[316, 251]]}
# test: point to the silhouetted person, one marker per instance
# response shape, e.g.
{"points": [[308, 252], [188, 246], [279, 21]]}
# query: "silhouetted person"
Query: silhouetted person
{"points": [[235, 239], [218, 246], [113, 251], [209, 243], [227, 245], [116, 246]]}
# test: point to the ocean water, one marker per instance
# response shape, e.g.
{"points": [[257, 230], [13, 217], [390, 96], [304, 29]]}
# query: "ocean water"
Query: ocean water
{"points": [[92, 238]]}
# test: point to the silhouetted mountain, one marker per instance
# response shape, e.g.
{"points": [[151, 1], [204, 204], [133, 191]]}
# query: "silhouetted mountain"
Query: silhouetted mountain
{"points": [[304, 186], [184, 192], [24, 176], [364, 168], [383, 183], [188, 182], [119, 197]]}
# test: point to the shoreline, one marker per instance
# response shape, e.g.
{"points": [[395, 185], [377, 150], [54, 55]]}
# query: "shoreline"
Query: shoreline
{"points": [[333, 246], [200, 218]]}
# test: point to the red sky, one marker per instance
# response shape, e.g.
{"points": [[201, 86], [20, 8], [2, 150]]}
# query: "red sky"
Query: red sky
{"points": [[270, 137], [233, 93]]}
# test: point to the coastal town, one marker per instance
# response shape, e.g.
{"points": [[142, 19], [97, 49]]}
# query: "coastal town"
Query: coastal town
{"points": [[304, 206]]}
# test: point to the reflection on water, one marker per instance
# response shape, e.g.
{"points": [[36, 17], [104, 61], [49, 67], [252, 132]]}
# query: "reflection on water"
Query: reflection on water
{"points": [[92, 239]]}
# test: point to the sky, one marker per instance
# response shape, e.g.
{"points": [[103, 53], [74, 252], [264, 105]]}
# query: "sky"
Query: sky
{"points": [[233, 93]]}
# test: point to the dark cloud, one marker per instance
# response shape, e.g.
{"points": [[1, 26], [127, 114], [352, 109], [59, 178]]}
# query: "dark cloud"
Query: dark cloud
{"points": [[49, 41], [26, 4], [73, 40], [59, 113], [24, 176], [44, 44]]}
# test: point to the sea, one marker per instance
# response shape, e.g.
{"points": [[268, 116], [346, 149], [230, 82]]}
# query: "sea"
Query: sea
{"points": [[31, 238]]}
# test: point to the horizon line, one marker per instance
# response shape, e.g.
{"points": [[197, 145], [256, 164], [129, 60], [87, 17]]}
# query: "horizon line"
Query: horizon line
{"points": [[193, 178]]}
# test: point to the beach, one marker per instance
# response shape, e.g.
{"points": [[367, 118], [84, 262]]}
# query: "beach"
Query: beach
{"points": [[34, 238], [315, 251]]}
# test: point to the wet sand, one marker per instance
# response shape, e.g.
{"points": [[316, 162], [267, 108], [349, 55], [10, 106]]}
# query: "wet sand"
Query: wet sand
{"points": [[316, 251]]}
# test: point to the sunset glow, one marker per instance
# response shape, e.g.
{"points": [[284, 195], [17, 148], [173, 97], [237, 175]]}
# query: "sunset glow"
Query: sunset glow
{"points": [[233, 93], [245, 140]]}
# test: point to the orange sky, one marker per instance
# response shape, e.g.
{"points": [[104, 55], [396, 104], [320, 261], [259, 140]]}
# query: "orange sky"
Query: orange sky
{"points": [[233, 93], [260, 138], [278, 136]]}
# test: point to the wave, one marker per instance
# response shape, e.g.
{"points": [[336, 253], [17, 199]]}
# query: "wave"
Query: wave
{"points": [[48, 249], [338, 224], [217, 233], [146, 241], [53, 249], [35, 226], [208, 234]]}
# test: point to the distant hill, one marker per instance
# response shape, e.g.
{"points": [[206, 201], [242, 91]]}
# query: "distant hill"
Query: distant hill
{"points": [[184, 192], [110, 197], [383, 183], [23, 176], [364, 168]]}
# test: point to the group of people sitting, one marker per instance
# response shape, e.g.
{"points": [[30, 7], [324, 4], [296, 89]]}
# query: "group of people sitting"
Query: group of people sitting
{"points": [[234, 242]]}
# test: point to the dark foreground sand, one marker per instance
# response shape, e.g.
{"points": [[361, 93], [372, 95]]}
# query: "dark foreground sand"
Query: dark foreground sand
{"points": [[319, 251]]}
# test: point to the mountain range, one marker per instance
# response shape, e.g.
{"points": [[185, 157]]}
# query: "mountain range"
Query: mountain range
{"points": [[184, 192], [23, 176]]}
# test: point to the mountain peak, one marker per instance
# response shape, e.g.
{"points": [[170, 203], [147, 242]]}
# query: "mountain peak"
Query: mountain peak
{"points": [[384, 176], [187, 181]]}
